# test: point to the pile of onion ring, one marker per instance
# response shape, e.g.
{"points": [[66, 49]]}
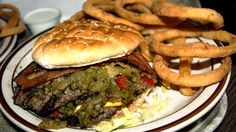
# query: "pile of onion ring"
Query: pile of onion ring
{"points": [[165, 27], [201, 15], [14, 24], [185, 51]]}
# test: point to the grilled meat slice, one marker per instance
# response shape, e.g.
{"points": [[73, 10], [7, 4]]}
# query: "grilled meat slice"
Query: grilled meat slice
{"points": [[42, 103], [107, 114], [39, 103]]}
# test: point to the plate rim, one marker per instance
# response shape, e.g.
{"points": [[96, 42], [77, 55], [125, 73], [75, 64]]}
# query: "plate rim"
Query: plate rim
{"points": [[212, 100], [10, 45], [7, 111], [175, 125]]}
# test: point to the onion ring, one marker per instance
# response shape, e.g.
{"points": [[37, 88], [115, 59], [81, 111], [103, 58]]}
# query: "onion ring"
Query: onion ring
{"points": [[201, 15], [185, 70], [90, 8], [142, 18], [139, 8], [9, 10], [14, 25], [197, 49], [144, 49], [178, 40], [15, 30], [195, 80], [77, 16]]}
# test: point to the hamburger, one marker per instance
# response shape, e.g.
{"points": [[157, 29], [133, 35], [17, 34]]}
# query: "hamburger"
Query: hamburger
{"points": [[84, 72]]}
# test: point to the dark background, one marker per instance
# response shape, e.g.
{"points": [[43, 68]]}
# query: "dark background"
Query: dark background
{"points": [[227, 8]]}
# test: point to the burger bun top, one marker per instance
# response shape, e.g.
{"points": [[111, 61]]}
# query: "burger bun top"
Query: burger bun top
{"points": [[84, 42]]}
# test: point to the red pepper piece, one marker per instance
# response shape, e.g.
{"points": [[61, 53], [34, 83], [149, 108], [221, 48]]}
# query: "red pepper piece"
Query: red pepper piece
{"points": [[121, 81], [148, 81], [55, 114]]}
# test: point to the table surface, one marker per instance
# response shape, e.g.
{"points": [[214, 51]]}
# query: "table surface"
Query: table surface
{"points": [[229, 122]]}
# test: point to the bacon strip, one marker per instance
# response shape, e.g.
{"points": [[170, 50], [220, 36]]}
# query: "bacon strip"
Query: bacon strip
{"points": [[34, 75], [138, 60]]}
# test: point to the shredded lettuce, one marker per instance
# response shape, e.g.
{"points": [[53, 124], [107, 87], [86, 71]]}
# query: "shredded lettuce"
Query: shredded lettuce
{"points": [[128, 120], [164, 89], [151, 109]]}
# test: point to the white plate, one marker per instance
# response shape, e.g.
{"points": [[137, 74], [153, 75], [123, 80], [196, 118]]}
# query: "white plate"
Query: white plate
{"points": [[180, 110], [210, 121], [6, 43]]}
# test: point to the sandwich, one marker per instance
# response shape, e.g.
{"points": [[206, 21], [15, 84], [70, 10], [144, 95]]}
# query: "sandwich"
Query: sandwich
{"points": [[84, 72]]}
